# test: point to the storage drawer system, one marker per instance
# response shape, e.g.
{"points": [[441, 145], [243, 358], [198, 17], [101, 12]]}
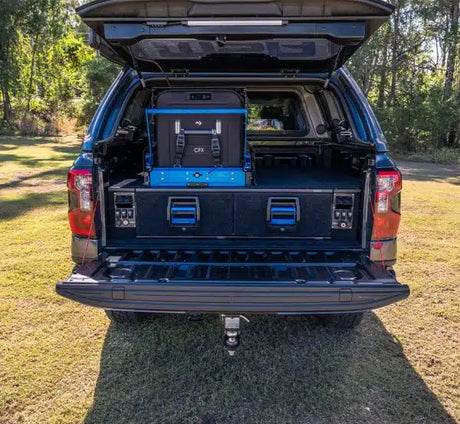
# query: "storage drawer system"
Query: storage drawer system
{"points": [[217, 213]]}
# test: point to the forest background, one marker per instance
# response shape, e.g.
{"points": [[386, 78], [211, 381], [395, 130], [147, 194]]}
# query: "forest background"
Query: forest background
{"points": [[51, 81]]}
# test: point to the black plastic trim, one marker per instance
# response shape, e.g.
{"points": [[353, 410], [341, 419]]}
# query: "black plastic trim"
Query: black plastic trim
{"points": [[268, 298]]}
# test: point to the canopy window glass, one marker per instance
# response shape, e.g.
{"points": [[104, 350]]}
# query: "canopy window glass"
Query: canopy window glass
{"points": [[275, 113]]}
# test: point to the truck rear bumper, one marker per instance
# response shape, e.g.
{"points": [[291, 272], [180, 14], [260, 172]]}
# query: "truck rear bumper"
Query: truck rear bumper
{"points": [[234, 281], [269, 297]]}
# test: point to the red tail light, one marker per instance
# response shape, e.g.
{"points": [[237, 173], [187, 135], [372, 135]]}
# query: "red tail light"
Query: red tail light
{"points": [[80, 202], [387, 210]]}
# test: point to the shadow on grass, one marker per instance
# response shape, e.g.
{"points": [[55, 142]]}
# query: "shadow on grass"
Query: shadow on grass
{"points": [[57, 173], [424, 171], [36, 162], [13, 208], [20, 141], [71, 150], [287, 371], [5, 148]]}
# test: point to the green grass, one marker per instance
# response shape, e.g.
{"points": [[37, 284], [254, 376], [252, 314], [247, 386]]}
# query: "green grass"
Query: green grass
{"points": [[61, 362]]}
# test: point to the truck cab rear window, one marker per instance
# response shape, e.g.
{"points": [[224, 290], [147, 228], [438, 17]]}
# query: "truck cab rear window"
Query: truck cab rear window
{"points": [[275, 114]]}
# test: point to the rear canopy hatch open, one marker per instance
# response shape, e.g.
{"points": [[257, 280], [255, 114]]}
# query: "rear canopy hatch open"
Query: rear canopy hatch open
{"points": [[232, 36]]}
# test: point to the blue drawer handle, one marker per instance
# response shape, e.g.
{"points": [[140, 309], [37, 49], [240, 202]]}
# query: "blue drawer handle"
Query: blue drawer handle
{"points": [[283, 210], [183, 220]]}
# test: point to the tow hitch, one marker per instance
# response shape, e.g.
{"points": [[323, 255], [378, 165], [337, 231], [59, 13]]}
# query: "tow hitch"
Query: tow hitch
{"points": [[232, 334]]}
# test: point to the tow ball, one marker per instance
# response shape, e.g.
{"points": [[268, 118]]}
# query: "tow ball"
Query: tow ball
{"points": [[232, 334]]}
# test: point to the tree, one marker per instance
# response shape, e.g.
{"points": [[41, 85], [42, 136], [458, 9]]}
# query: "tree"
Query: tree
{"points": [[452, 63], [414, 82], [11, 16]]}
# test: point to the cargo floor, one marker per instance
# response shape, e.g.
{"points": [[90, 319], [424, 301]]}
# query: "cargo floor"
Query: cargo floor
{"points": [[305, 178]]}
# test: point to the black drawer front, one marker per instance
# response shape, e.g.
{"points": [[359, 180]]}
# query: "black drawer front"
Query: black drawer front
{"points": [[314, 215], [216, 214], [234, 214]]}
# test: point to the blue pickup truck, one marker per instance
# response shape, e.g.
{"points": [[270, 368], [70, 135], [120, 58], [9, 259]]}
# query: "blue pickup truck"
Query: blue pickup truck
{"points": [[234, 167]]}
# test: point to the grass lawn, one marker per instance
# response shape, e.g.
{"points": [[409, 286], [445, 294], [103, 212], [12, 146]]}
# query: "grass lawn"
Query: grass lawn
{"points": [[61, 362]]}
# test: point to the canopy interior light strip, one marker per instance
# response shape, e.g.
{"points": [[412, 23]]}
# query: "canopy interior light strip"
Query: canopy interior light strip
{"points": [[267, 22]]}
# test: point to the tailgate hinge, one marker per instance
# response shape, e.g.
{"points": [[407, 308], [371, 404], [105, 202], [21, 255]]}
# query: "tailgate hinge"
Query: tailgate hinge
{"points": [[370, 162]]}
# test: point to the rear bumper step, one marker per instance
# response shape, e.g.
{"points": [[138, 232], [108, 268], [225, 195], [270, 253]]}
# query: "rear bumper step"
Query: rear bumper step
{"points": [[235, 298]]}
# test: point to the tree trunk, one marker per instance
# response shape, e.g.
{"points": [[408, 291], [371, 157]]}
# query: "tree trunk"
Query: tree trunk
{"points": [[32, 74], [444, 43], [452, 50], [448, 139], [384, 70], [394, 55], [7, 112], [367, 78], [5, 86]]}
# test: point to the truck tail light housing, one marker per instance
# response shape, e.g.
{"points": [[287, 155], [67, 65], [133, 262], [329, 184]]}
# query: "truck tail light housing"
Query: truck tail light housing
{"points": [[81, 216], [387, 210]]}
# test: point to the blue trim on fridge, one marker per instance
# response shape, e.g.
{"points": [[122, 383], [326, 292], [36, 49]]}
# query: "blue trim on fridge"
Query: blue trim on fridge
{"points": [[212, 177]]}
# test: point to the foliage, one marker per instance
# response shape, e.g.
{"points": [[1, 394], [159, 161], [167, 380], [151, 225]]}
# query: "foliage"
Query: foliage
{"points": [[98, 73], [46, 66], [410, 70]]}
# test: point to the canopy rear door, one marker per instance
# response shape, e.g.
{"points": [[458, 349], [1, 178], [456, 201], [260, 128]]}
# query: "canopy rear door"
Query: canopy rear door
{"points": [[233, 36]]}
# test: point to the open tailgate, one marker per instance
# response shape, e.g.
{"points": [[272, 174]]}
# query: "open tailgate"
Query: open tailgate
{"points": [[234, 281]]}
